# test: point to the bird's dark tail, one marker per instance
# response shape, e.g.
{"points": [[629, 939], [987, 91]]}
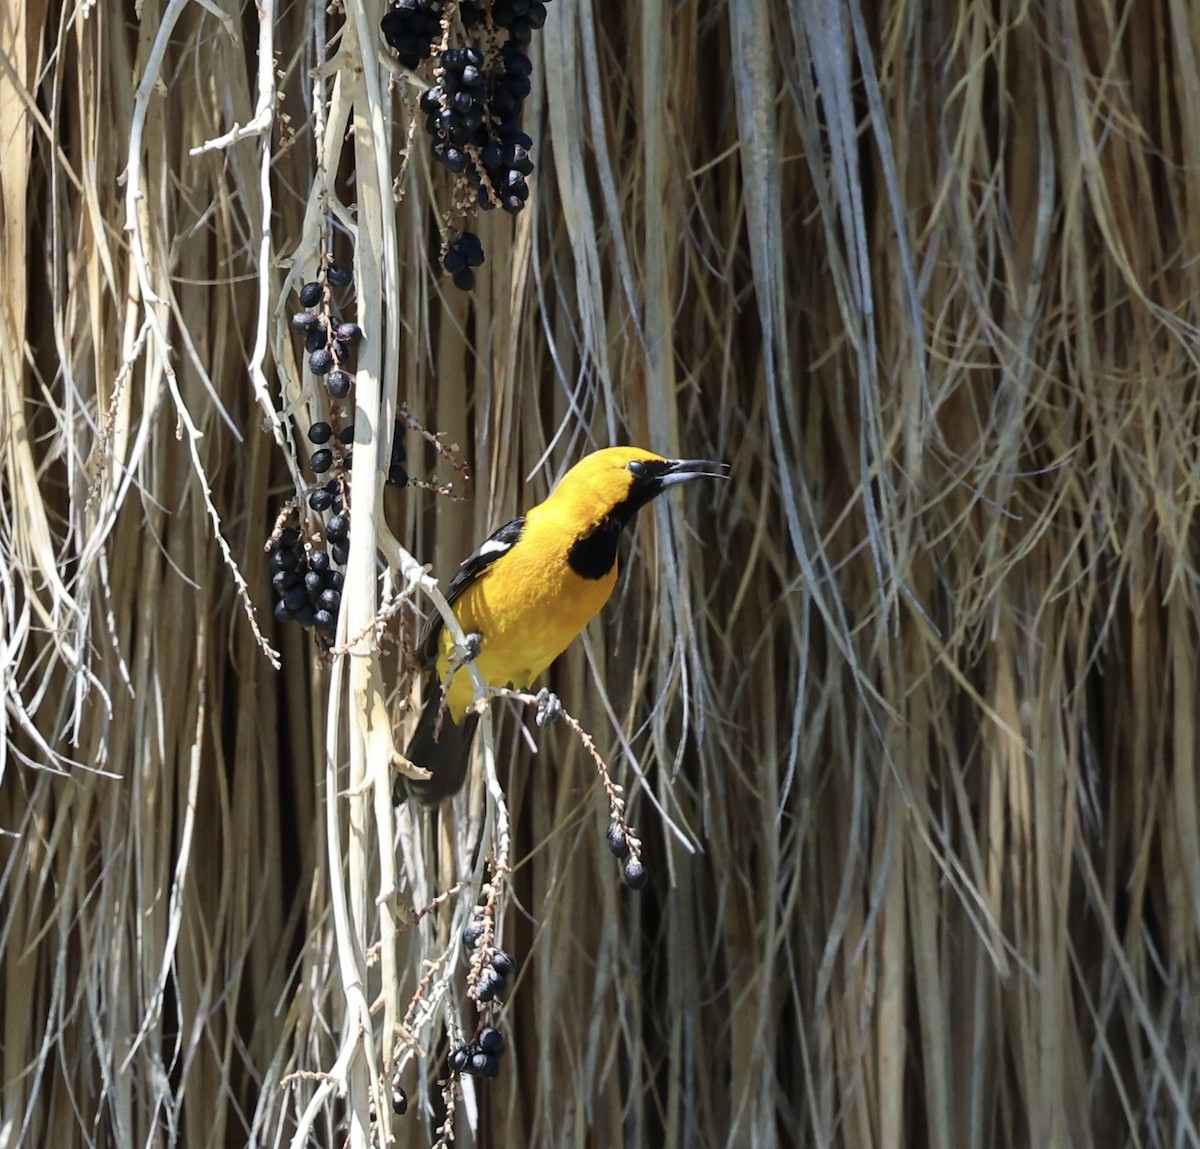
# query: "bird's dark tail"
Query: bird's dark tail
{"points": [[446, 757]]}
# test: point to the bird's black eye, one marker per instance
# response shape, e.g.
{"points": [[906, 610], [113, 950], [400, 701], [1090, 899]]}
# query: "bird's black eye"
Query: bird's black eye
{"points": [[637, 469]]}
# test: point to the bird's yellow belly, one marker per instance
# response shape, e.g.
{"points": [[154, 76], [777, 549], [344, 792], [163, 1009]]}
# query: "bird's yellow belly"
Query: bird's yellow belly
{"points": [[521, 634]]}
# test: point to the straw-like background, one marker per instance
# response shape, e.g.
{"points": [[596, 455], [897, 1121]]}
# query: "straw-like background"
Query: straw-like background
{"points": [[915, 693]]}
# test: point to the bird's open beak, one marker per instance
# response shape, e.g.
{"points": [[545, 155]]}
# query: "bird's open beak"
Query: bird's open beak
{"points": [[681, 470]]}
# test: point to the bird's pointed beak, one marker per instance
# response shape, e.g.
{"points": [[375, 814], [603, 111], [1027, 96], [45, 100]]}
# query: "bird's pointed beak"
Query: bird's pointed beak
{"points": [[682, 470]]}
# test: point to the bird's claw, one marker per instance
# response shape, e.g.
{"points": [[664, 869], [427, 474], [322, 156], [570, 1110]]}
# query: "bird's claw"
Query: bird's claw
{"points": [[469, 651], [549, 707]]}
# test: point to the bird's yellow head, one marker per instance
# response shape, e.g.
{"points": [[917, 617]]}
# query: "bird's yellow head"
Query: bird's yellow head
{"points": [[617, 482]]}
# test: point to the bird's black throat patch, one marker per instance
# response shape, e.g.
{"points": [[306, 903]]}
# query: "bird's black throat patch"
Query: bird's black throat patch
{"points": [[593, 556]]}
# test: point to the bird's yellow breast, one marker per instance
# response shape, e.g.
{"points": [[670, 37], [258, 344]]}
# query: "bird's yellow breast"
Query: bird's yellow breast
{"points": [[528, 607]]}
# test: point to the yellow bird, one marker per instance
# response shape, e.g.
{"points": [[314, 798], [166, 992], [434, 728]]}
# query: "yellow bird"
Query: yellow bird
{"points": [[525, 594]]}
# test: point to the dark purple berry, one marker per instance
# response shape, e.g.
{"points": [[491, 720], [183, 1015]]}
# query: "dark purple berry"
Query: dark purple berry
{"points": [[518, 86], [504, 105], [335, 580], [616, 840], [340, 553], [636, 875], [320, 501], [316, 338], [310, 294], [282, 613], [321, 460], [339, 276], [464, 279], [347, 333], [319, 561], [324, 621], [491, 1041], [283, 581], [338, 527], [516, 63], [397, 476], [399, 1101], [459, 1059], [313, 583], [320, 362], [480, 1063], [454, 261], [489, 985], [516, 156], [304, 320], [284, 561], [319, 433], [329, 600], [337, 383], [453, 160]]}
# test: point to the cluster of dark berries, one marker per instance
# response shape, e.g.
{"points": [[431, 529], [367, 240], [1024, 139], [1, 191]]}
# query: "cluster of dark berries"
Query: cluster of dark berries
{"points": [[308, 586], [473, 108], [493, 981], [464, 253], [472, 115], [302, 572], [410, 27], [337, 526], [327, 339], [455, 108], [520, 17], [636, 875], [482, 1057], [325, 456]]}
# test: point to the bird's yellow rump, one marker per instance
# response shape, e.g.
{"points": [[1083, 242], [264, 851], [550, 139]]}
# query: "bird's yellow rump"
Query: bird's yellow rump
{"points": [[529, 590]]}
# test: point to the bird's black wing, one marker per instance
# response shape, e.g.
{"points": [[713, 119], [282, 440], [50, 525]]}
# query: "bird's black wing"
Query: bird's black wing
{"points": [[498, 543]]}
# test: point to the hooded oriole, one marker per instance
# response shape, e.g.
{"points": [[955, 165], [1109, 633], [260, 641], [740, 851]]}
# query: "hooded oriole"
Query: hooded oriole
{"points": [[527, 592]]}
